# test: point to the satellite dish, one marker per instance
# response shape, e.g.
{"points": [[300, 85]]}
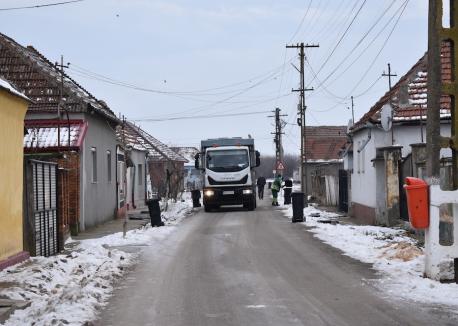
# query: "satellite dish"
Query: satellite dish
{"points": [[386, 117], [349, 125]]}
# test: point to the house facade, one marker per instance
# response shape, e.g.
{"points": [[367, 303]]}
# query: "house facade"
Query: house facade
{"points": [[323, 145], [164, 167], [90, 161], [382, 156], [13, 107]]}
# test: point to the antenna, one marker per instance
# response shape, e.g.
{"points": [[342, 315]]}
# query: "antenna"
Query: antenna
{"points": [[386, 117]]}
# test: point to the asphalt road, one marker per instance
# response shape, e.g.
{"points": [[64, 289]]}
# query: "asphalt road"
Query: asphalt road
{"points": [[255, 268]]}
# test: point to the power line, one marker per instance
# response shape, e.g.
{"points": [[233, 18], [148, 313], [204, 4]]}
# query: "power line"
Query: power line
{"points": [[201, 116], [302, 22], [340, 39], [41, 6], [381, 49]]}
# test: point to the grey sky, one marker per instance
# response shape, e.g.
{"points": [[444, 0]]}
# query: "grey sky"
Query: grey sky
{"points": [[184, 46]]}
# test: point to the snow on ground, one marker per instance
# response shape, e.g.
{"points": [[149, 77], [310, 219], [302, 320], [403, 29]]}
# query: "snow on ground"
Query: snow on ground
{"points": [[69, 289], [395, 256]]}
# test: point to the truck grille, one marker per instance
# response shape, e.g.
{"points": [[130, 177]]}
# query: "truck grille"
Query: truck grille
{"points": [[213, 182]]}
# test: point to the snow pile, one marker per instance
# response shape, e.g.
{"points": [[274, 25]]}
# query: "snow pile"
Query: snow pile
{"points": [[392, 253], [69, 289]]}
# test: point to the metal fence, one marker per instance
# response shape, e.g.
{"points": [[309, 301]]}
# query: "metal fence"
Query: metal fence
{"points": [[42, 203]]}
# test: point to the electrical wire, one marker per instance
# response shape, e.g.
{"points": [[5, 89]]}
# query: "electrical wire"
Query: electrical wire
{"points": [[381, 49], [201, 116], [302, 22], [41, 6]]}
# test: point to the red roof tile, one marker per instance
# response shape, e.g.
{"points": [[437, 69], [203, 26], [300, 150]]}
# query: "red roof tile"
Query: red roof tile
{"points": [[409, 96], [324, 142]]}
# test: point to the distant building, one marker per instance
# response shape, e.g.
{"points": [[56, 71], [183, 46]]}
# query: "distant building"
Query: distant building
{"points": [[164, 167], [323, 145], [13, 107], [192, 177]]}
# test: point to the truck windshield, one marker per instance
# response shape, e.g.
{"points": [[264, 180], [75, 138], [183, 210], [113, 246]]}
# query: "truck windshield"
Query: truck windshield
{"points": [[227, 160]]}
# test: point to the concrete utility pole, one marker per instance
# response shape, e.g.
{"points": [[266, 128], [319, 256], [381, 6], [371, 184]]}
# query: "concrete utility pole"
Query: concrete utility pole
{"points": [[433, 145], [389, 75], [61, 67], [352, 111], [301, 112], [279, 124]]}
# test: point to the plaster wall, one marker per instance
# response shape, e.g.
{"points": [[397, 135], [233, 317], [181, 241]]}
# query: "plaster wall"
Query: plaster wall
{"points": [[12, 112]]}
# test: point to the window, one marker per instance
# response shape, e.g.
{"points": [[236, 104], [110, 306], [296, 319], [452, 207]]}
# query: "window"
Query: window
{"points": [[94, 164], [140, 174], [109, 166]]}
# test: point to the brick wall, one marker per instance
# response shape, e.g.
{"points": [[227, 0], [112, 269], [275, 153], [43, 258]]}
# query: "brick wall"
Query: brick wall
{"points": [[69, 195]]}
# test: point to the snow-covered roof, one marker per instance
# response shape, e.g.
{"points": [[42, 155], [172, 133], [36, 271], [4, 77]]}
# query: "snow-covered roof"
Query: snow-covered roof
{"points": [[409, 95], [8, 87], [187, 152], [42, 135], [33, 74], [132, 135]]}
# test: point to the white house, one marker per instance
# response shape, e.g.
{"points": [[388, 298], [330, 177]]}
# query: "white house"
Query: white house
{"points": [[380, 158]]}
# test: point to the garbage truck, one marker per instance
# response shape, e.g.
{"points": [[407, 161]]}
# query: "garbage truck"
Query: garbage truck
{"points": [[228, 166]]}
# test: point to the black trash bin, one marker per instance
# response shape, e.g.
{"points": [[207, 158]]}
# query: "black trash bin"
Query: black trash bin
{"points": [[154, 212], [287, 190], [195, 195], [298, 206]]}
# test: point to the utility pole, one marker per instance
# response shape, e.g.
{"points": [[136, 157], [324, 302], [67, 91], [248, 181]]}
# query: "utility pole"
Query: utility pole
{"points": [[433, 138], [61, 67], [389, 75], [352, 111], [279, 124], [301, 112]]}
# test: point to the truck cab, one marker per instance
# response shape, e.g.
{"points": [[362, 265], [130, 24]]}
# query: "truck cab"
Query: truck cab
{"points": [[229, 175]]}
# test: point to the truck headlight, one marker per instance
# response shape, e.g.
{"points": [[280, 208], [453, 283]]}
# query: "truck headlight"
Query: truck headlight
{"points": [[209, 193], [247, 191]]}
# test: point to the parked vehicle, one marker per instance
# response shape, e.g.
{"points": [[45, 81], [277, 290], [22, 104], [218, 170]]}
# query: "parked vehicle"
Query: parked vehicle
{"points": [[228, 166]]}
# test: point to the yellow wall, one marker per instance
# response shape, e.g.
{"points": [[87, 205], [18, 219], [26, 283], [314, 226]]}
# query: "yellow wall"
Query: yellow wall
{"points": [[12, 113]]}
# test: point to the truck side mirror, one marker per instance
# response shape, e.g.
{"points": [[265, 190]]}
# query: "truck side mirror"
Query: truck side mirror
{"points": [[196, 160], [258, 159]]}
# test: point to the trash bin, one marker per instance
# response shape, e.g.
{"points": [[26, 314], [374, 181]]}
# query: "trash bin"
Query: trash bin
{"points": [[287, 190], [298, 206], [417, 202], [195, 195], [269, 185], [154, 212]]}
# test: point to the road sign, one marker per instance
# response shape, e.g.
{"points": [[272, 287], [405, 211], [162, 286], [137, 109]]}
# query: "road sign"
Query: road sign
{"points": [[280, 166]]}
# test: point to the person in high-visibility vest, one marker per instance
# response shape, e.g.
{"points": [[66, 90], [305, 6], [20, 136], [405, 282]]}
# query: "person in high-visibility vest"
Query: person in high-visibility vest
{"points": [[276, 185]]}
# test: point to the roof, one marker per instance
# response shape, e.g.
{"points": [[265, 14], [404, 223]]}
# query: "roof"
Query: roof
{"points": [[187, 152], [409, 96], [42, 135], [9, 88], [324, 143], [132, 135], [33, 74]]}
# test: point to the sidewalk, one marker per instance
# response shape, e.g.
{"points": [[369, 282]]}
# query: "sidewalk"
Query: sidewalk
{"points": [[137, 218]]}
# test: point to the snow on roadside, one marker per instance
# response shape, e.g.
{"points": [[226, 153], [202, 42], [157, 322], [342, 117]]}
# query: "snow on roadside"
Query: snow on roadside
{"points": [[69, 289], [392, 253]]}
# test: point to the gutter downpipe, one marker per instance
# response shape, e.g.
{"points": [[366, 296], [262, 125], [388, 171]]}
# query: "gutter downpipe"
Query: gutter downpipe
{"points": [[369, 136]]}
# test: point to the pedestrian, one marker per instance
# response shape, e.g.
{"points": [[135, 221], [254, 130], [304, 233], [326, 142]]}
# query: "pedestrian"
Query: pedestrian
{"points": [[261, 182], [276, 185]]}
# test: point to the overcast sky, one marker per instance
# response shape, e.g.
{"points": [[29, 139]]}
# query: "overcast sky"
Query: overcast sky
{"points": [[212, 57]]}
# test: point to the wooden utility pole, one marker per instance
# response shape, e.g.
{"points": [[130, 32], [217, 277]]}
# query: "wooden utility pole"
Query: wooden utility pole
{"points": [[279, 124], [434, 90], [301, 113], [61, 67], [389, 75]]}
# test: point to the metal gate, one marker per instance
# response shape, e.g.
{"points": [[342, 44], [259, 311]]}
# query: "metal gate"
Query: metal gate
{"points": [[45, 213], [343, 190]]}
